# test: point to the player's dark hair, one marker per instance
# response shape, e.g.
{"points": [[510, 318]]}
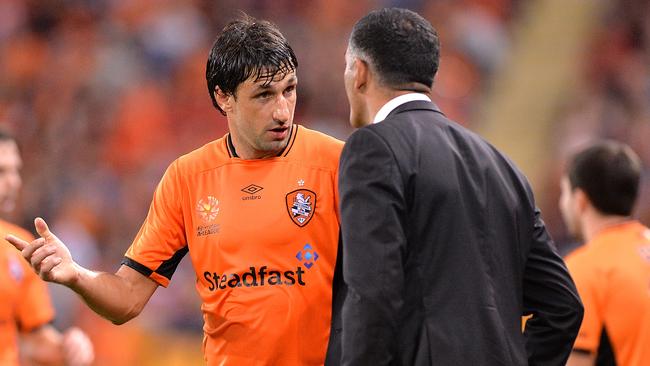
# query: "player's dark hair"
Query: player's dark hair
{"points": [[246, 48], [6, 136], [609, 173], [402, 46]]}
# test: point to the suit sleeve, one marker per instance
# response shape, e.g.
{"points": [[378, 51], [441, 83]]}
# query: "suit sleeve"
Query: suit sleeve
{"points": [[372, 213], [550, 296]]}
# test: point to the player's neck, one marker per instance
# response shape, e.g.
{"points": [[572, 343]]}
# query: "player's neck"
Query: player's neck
{"points": [[595, 224], [246, 152]]}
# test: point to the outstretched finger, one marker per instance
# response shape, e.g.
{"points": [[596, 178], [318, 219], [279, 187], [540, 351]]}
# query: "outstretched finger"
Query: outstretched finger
{"points": [[17, 242], [31, 248], [40, 254], [48, 264], [42, 229]]}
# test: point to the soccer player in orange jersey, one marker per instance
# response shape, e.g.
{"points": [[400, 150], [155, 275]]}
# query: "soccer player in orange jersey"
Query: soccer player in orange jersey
{"points": [[612, 270], [25, 309], [256, 210]]}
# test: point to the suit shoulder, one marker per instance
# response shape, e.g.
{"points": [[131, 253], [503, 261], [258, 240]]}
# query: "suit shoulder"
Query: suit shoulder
{"points": [[384, 131]]}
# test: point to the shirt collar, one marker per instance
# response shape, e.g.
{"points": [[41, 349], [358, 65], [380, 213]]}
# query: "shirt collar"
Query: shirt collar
{"points": [[396, 102]]}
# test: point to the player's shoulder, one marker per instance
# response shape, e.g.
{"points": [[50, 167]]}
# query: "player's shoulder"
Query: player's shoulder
{"points": [[319, 140], [589, 257], [206, 157], [9, 228], [317, 146], [577, 255], [582, 266]]}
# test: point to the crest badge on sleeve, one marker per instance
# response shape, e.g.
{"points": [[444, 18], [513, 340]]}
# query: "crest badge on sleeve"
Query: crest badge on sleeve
{"points": [[301, 205], [15, 270]]}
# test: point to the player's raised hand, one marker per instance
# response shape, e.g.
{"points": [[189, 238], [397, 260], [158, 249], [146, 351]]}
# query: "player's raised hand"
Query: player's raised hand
{"points": [[49, 257]]}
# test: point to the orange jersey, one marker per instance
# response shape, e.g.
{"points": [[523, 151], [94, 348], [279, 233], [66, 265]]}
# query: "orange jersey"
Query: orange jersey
{"points": [[612, 274], [25, 301], [262, 235]]}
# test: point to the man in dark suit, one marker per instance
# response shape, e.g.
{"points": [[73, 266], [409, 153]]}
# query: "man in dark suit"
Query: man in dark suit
{"points": [[443, 249]]}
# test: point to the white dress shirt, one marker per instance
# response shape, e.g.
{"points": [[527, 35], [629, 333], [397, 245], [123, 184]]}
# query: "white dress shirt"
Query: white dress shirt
{"points": [[396, 102]]}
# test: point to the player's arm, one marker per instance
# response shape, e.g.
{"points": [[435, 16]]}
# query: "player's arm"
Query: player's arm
{"points": [[46, 346], [591, 285], [578, 358], [41, 346], [118, 297], [372, 209]]}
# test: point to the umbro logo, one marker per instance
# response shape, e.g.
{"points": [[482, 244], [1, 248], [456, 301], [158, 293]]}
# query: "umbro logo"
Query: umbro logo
{"points": [[252, 190]]}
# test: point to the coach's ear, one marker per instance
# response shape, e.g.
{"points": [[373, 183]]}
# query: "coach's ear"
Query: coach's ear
{"points": [[223, 100], [361, 75]]}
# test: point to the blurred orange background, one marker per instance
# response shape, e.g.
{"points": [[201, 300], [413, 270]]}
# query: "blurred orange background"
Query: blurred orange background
{"points": [[102, 95]]}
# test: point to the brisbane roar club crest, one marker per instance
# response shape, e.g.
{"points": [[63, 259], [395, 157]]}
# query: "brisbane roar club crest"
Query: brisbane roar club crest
{"points": [[301, 205]]}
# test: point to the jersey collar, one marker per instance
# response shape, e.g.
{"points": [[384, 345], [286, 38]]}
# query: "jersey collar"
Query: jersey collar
{"points": [[232, 153]]}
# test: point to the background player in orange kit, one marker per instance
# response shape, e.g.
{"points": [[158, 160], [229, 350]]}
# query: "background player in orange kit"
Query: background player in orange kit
{"points": [[25, 310], [256, 210], [612, 270]]}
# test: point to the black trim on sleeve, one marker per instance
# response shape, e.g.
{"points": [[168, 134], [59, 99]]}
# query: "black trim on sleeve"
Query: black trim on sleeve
{"points": [[22, 329], [168, 267], [144, 270], [605, 354], [582, 351]]}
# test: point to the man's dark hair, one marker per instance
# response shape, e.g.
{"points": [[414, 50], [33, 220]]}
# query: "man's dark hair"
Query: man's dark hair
{"points": [[402, 46], [246, 48], [609, 173], [6, 136]]}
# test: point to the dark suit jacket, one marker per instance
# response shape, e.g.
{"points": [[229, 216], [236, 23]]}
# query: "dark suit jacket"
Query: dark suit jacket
{"points": [[443, 251]]}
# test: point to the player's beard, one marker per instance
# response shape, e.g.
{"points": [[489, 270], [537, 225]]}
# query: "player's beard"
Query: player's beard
{"points": [[272, 146]]}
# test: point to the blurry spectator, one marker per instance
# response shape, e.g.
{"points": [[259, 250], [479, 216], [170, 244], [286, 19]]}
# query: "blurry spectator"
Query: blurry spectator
{"points": [[72, 75], [612, 270], [25, 311]]}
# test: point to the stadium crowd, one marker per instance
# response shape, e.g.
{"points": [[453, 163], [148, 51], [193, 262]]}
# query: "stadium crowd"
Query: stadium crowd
{"points": [[102, 95]]}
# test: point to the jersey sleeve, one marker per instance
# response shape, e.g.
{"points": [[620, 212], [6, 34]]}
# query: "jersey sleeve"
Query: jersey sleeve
{"points": [[161, 243], [335, 183], [586, 282]]}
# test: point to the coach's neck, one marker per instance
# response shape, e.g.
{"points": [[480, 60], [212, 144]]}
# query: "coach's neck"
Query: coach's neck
{"points": [[378, 95]]}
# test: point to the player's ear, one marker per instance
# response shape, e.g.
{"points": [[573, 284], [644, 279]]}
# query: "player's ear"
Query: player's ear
{"points": [[581, 200], [223, 100]]}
